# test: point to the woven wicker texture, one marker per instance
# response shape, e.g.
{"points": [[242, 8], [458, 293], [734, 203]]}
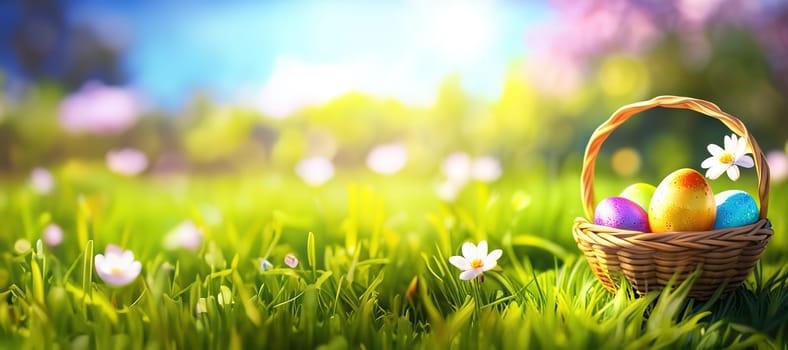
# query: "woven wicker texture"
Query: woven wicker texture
{"points": [[649, 260]]}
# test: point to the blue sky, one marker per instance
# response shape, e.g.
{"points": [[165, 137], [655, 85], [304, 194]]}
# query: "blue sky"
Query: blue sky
{"points": [[234, 48]]}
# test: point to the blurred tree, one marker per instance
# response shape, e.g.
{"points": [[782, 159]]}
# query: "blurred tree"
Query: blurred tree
{"points": [[38, 37], [47, 45]]}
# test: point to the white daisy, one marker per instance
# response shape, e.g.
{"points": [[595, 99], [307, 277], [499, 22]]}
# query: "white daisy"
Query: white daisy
{"points": [[116, 266], [475, 260], [729, 159]]}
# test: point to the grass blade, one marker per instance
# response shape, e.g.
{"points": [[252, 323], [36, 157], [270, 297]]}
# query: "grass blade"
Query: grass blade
{"points": [[310, 253], [87, 269]]}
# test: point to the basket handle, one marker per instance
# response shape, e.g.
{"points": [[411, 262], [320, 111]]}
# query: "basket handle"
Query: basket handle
{"points": [[701, 106]]}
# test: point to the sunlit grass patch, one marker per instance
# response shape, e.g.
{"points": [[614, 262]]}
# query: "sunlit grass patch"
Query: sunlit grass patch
{"points": [[372, 271]]}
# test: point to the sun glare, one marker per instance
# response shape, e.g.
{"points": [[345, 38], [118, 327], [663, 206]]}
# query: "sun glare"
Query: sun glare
{"points": [[461, 31]]}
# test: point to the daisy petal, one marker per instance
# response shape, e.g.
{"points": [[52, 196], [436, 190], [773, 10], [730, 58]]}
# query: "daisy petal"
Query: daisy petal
{"points": [[481, 249], [134, 270], [730, 142], [98, 261], [492, 260], [741, 147], [127, 257], [745, 161], [113, 249], [460, 262], [469, 250], [470, 274], [733, 173], [709, 162], [715, 150], [494, 256], [715, 171]]}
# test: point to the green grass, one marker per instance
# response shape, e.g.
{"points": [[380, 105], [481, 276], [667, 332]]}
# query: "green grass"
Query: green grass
{"points": [[373, 270]]}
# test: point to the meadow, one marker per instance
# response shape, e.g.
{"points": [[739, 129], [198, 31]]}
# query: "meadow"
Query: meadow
{"points": [[249, 214], [373, 269]]}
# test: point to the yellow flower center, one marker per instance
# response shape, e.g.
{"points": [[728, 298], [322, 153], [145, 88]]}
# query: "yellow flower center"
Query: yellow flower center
{"points": [[477, 263], [726, 158], [116, 271]]}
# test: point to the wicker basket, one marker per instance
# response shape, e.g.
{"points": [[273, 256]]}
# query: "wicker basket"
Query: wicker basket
{"points": [[649, 260]]}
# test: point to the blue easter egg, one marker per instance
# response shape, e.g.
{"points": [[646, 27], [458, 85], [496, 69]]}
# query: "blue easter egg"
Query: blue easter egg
{"points": [[735, 208]]}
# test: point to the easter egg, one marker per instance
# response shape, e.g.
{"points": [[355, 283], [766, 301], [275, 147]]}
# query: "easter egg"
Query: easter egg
{"points": [[735, 208], [683, 201], [639, 193], [622, 213]]}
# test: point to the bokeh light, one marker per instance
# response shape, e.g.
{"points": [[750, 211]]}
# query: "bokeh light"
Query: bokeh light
{"points": [[387, 159], [626, 161], [778, 165], [315, 171]]}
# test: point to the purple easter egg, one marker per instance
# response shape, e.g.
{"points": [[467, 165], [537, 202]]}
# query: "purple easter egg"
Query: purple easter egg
{"points": [[621, 213]]}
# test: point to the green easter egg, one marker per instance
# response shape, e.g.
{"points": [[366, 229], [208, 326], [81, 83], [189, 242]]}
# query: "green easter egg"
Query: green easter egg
{"points": [[639, 193]]}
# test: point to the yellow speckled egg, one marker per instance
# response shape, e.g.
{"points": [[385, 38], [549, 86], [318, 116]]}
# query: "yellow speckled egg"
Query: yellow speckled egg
{"points": [[683, 201]]}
